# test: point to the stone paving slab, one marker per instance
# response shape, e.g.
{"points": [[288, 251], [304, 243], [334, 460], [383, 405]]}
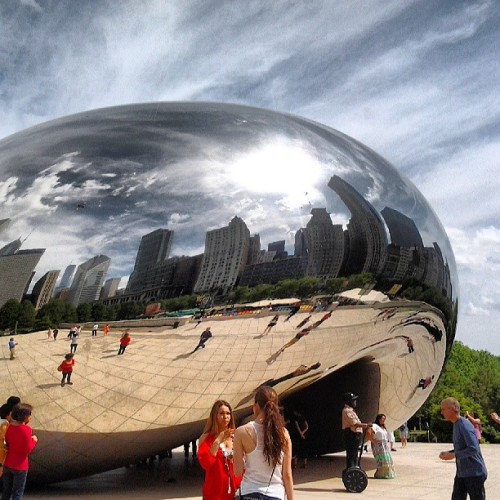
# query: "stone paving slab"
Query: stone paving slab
{"points": [[420, 475]]}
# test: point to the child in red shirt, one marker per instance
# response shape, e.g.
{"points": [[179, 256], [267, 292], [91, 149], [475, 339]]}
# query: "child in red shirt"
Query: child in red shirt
{"points": [[124, 342], [20, 443], [66, 367]]}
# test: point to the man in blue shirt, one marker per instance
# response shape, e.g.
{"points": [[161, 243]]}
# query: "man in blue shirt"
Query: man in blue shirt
{"points": [[471, 470]]}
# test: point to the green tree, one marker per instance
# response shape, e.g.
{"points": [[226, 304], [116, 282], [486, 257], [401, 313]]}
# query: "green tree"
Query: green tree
{"points": [[26, 315], [84, 313], [98, 311], [9, 313]]}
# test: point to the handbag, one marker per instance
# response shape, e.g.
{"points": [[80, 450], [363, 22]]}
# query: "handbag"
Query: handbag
{"points": [[59, 368]]}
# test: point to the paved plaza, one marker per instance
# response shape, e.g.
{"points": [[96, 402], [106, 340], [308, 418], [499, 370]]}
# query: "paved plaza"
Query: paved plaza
{"points": [[420, 475]]}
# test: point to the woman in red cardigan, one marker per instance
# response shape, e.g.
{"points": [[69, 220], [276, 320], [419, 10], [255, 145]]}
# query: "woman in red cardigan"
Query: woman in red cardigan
{"points": [[215, 454]]}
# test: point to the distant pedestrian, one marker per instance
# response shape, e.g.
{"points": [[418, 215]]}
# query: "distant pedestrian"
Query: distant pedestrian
{"points": [[404, 434], [304, 321], [66, 367], [106, 329], [73, 337], [476, 423], [205, 335], [194, 449], [20, 443], [271, 324], [471, 469], [294, 310], [423, 383], [124, 342], [12, 348], [94, 330], [409, 345], [49, 333], [55, 333]]}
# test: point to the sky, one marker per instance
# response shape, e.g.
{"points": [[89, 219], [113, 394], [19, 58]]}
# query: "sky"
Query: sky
{"points": [[416, 81]]}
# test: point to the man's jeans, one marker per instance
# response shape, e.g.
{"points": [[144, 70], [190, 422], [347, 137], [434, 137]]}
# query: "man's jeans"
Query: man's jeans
{"points": [[474, 486], [14, 482]]}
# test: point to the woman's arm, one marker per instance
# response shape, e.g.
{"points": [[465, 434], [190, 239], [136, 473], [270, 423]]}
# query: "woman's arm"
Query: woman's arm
{"points": [[287, 468], [238, 453]]}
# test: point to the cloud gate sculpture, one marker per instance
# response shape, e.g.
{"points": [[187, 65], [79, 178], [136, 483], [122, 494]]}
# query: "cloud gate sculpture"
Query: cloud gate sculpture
{"points": [[249, 214]]}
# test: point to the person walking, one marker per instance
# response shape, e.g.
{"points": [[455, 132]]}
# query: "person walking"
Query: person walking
{"points": [[55, 333], [124, 342], [73, 337], [66, 367], [215, 453], [471, 469], [476, 423], [94, 330], [352, 428], [20, 443], [271, 324], [263, 451], [205, 335], [12, 348], [404, 434]]}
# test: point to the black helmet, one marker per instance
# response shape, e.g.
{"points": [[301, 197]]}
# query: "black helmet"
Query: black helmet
{"points": [[349, 398]]}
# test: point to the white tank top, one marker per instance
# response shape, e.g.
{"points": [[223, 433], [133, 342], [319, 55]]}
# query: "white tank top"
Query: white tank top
{"points": [[257, 477]]}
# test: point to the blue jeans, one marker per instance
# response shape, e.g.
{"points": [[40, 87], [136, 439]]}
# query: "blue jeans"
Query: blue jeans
{"points": [[14, 482], [257, 496], [474, 486]]}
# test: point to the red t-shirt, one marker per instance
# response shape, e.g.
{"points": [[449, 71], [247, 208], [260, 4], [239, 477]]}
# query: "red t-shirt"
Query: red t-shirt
{"points": [[67, 366], [20, 443], [125, 341], [217, 478]]}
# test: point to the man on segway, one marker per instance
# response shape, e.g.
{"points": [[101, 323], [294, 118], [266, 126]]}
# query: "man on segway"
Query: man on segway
{"points": [[352, 428]]}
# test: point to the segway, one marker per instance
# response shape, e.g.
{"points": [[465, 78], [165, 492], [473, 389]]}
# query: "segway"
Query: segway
{"points": [[354, 478]]}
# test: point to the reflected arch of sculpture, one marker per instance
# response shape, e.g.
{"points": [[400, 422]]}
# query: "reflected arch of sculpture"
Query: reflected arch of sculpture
{"points": [[149, 202]]}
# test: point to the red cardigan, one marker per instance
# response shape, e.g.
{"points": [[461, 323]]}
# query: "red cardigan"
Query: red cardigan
{"points": [[217, 482], [20, 444]]}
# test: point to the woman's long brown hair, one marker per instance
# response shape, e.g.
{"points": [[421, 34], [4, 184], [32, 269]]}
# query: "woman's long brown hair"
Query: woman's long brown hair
{"points": [[275, 440], [211, 426]]}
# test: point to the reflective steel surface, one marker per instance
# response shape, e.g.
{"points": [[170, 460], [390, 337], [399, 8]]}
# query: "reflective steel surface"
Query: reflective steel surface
{"points": [[229, 205]]}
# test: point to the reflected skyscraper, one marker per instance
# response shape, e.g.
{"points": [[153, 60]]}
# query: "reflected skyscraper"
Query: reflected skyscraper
{"points": [[153, 249], [366, 232], [67, 277], [403, 230], [88, 280], [109, 289], [16, 270], [225, 256], [43, 290], [325, 245]]}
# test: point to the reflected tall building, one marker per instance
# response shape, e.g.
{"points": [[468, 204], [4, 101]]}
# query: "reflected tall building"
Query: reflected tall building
{"points": [[325, 245], [67, 277], [153, 249], [403, 230], [43, 290], [88, 280], [16, 269], [4, 225], [367, 240], [109, 289], [225, 256]]}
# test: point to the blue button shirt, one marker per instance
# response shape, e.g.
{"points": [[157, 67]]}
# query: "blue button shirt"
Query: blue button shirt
{"points": [[470, 462]]}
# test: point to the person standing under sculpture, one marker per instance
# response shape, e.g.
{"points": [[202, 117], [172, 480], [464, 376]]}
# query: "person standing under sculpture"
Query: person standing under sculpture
{"points": [[381, 448], [471, 469], [263, 451], [20, 443], [215, 453], [352, 428]]}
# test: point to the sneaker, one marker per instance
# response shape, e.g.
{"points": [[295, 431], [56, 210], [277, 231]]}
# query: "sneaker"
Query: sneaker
{"points": [[62, 384], [70, 383]]}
